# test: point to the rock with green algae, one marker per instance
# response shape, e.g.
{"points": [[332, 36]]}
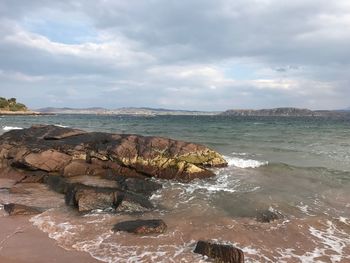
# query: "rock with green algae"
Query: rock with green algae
{"points": [[64, 151]]}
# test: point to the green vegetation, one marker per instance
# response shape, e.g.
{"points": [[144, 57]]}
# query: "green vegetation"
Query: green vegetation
{"points": [[11, 105]]}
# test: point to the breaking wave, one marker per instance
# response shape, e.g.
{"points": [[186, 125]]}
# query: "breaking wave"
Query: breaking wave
{"points": [[244, 163], [9, 128]]}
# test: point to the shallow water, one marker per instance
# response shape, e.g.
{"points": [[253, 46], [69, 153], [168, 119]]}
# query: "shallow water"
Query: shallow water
{"points": [[297, 167]]}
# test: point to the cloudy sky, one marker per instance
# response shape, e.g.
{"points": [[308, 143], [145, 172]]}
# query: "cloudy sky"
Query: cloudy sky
{"points": [[193, 54]]}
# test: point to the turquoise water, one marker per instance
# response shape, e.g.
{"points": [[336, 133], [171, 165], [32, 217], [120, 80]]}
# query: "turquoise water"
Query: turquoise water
{"points": [[299, 167]]}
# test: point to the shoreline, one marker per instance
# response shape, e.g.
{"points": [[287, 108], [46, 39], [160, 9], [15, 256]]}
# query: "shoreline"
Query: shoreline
{"points": [[23, 113], [21, 242]]}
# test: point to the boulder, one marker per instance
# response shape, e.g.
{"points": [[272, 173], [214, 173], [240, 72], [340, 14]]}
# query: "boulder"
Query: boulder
{"points": [[18, 209], [143, 186], [71, 152], [91, 198], [142, 227], [219, 252], [87, 198]]}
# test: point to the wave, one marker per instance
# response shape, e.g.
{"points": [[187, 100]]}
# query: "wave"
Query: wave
{"points": [[9, 128], [62, 126], [244, 163]]}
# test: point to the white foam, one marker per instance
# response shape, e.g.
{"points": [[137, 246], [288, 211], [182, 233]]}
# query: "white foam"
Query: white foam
{"points": [[62, 126], [344, 220], [304, 209], [244, 163], [239, 154], [9, 128], [331, 243], [61, 232]]}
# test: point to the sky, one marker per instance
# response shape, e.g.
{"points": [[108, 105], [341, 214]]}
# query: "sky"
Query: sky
{"points": [[191, 55]]}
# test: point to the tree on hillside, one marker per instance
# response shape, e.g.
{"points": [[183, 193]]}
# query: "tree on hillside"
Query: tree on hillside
{"points": [[3, 103], [11, 105]]}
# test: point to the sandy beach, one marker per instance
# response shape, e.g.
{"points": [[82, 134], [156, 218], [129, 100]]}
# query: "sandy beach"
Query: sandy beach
{"points": [[21, 242]]}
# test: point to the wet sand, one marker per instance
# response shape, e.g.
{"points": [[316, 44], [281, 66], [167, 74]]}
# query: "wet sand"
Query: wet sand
{"points": [[21, 242]]}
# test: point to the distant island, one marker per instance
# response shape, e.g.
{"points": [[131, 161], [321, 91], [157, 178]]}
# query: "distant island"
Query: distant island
{"points": [[12, 107], [287, 112], [142, 111]]}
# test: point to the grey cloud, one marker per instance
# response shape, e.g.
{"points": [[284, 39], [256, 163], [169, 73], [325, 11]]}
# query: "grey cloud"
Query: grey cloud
{"points": [[304, 43]]}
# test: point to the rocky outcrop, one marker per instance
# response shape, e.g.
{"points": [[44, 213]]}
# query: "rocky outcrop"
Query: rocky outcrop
{"points": [[219, 252], [70, 152], [18, 209], [142, 227]]}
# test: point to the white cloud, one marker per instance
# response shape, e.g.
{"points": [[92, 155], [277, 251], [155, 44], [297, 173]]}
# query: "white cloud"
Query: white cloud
{"points": [[193, 54]]}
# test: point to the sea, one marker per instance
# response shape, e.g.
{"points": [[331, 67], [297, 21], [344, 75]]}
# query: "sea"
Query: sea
{"points": [[295, 167]]}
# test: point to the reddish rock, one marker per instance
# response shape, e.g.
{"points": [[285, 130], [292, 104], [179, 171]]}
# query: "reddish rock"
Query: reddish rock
{"points": [[142, 227], [34, 177], [86, 198], [49, 160], [18, 209], [62, 150], [219, 252], [76, 167]]}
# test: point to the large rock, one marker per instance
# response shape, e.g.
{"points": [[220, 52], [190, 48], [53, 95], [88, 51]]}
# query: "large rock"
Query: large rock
{"points": [[86, 197], [142, 227], [219, 252], [71, 152], [18, 209]]}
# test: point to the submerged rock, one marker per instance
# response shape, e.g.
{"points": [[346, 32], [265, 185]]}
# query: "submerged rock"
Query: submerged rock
{"points": [[18, 209], [71, 152], [219, 252], [152, 226], [267, 216]]}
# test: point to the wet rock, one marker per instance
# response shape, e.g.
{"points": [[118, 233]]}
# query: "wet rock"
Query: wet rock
{"points": [[18, 209], [267, 216], [219, 252], [57, 183], [73, 152], [91, 198], [34, 177], [87, 198], [131, 202], [142, 227], [142, 186]]}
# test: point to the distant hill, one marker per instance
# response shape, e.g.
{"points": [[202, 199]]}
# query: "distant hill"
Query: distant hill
{"points": [[143, 111], [93, 110], [288, 112], [11, 105]]}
